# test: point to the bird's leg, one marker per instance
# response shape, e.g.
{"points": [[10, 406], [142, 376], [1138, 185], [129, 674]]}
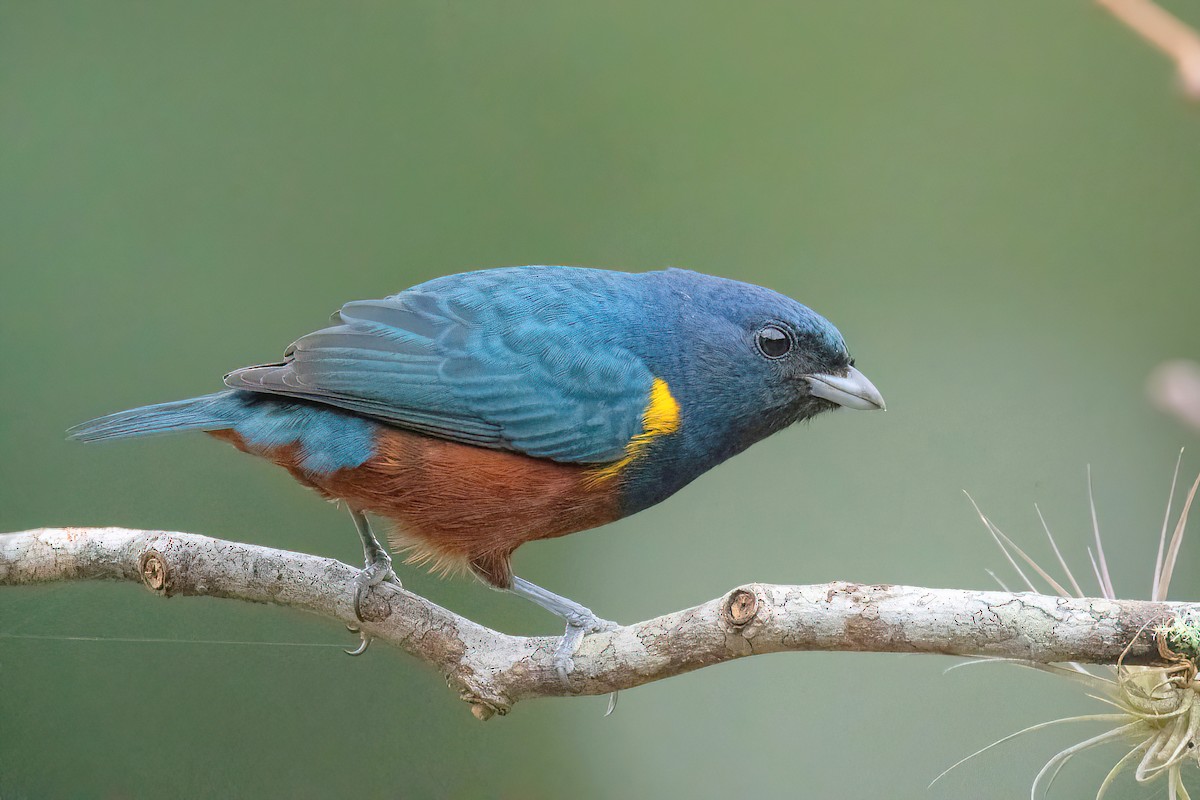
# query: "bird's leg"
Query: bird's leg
{"points": [[377, 569], [580, 621]]}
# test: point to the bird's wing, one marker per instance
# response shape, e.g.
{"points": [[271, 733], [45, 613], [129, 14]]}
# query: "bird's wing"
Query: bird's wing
{"points": [[529, 379]]}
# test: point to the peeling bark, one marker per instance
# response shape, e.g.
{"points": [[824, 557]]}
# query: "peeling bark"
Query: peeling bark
{"points": [[492, 671]]}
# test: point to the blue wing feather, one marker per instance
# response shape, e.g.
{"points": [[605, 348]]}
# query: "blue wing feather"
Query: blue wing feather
{"points": [[521, 359]]}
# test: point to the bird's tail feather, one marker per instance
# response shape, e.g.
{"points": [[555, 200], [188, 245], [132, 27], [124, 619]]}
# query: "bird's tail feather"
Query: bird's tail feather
{"points": [[210, 412]]}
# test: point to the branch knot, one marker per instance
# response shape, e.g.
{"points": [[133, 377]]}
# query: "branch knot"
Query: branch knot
{"points": [[741, 607], [156, 574]]}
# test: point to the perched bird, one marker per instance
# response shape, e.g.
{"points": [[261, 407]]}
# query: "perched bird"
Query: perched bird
{"points": [[484, 410]]}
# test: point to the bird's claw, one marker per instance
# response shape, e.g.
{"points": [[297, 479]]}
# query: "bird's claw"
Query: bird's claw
{"points": [[378, 571], [364, 642], [578, 626]]}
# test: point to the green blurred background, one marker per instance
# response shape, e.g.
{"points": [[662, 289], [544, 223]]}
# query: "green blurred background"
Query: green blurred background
{"points": [[996, 203]]}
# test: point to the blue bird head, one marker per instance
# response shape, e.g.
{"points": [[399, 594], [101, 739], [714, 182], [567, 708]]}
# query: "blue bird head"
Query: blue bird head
{"points": [[743, 362]]}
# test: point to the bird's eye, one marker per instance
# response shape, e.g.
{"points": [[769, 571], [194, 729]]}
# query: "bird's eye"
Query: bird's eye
{"points": [[773, 341]]}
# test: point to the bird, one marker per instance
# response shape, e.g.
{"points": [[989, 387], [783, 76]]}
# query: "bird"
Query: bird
{"points": [[482, 410]]}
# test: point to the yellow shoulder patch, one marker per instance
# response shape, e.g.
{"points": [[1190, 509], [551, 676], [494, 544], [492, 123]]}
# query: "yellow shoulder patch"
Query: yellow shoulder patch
{"points": [[660, 418]]}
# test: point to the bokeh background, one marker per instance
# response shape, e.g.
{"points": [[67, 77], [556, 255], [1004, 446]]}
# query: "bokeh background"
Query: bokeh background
{"points": [[996, 203]]}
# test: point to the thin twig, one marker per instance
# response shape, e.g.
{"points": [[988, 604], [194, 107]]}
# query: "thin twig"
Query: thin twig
{"points": [[1165, 31]]}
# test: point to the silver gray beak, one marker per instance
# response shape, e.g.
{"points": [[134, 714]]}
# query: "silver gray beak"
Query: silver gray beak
{"points": [[852, 390]]}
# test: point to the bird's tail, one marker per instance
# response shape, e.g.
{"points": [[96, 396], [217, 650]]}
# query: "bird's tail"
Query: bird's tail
{"points": [[208, 413]]}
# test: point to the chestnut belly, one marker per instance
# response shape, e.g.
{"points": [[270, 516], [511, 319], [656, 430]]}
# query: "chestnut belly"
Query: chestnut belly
{"points": [[456, 505]]}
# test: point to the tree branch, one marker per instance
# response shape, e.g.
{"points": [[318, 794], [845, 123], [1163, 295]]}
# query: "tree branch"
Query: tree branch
{"points": [[492, 671]]}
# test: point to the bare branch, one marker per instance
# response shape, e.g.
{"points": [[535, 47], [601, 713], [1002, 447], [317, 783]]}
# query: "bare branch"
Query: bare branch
{"points": [[492, 671]]}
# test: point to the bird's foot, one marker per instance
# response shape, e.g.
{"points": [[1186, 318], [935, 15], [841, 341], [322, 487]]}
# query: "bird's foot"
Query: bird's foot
{"points": [[580, 622], [378, 570], [578, 626]]}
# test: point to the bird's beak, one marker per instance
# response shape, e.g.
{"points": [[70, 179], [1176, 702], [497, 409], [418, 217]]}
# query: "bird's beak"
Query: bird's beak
{"points": [[851, 390]]}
